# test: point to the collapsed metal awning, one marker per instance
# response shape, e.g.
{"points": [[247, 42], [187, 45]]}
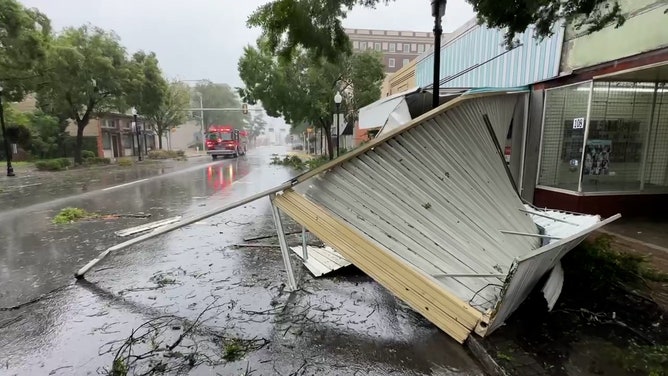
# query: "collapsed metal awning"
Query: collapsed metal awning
{"points": [[428, 210], [391, 112]]}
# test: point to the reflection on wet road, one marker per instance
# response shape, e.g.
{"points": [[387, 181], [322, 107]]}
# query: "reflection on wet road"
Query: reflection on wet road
{"points": [[341, 325], [38, 255]]}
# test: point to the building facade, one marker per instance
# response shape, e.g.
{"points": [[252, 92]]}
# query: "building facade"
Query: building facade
{"points": [[475, 56], [115, 135], [602, 142], [594, 135], [398, 48]]}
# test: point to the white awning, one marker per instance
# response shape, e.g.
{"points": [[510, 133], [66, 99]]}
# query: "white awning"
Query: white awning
{"points": [[377, 113]]}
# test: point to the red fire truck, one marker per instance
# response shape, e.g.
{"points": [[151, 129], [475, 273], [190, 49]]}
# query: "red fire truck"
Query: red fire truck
{"points": [[225, 140]]}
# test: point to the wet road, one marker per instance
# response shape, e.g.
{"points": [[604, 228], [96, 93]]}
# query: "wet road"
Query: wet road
{"points": [[341, 325]]}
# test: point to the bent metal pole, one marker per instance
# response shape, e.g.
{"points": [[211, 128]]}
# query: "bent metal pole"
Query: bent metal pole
{"points": [[81, 272]]}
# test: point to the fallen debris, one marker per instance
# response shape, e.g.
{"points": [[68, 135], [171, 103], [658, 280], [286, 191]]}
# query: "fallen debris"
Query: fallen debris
{"points": [[261, 237], [147, 227], [71, 215], [321, 260]]}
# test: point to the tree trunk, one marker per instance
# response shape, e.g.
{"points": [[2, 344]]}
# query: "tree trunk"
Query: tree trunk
{"points": [[79, 144], [328, 137], [159, 132]]}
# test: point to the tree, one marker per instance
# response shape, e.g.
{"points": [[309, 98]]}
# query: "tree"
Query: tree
{"points": [[316, 25], [172, 112], [301, 90], [592, 15], [256, 127], [146, 86], [87, 72], [24, 39], [219, 96], [47, 135]]}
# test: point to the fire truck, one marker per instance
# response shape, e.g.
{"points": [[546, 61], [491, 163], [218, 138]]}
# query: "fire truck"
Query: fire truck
{"points": [[225, 140]]}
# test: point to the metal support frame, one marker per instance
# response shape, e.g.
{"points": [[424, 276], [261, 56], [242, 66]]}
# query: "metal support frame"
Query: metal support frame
{"points": [[647, 135], [304, 245], [292, 283], [183, 223], [586, 134]]}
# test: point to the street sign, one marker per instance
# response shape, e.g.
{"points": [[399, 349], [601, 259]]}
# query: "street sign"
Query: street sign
{"points": [[578, 123]]}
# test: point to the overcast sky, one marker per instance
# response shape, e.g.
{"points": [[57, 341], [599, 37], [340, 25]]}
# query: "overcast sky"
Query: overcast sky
{"points": [[196, 39]]}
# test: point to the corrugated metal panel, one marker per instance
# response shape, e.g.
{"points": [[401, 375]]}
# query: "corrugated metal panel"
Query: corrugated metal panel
{"points": [[428, 210], [321, 261], [437, 196], [530, 268], [413, 286], [532, 62]]}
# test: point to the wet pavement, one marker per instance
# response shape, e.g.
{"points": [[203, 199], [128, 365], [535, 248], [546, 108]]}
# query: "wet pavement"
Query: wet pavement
{"points": [[197, 303]]}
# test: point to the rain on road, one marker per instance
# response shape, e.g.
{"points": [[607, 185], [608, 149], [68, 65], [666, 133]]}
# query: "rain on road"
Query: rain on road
{"points": [[341, 325]]}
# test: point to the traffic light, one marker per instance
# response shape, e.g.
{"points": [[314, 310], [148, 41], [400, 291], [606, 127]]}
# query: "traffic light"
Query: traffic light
{"points": [[244, 108]]}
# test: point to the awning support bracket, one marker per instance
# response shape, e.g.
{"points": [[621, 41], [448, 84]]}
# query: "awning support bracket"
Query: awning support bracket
{"points": [[285, 251]]}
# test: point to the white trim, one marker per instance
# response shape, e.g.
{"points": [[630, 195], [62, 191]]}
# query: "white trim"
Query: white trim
{"points": [[540, 145], [647, 136], [632, 70], [586, 134], [527, 98], [559, 190], [601, 193]]}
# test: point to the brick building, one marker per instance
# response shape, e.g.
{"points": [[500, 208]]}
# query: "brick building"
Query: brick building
{"points": [[399, 48]]}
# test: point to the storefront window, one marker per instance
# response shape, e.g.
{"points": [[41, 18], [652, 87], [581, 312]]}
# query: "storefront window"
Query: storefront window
{"points": [[620, 118], [626, 146], [563, 136], [655, 177]]}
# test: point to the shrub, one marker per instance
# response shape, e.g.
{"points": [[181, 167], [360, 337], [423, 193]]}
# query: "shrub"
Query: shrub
{"points": [[97, 161], [87, 154], [53, 164], [105, 161], [166, 154], [48, 165], [125, 162], [64, 162]]}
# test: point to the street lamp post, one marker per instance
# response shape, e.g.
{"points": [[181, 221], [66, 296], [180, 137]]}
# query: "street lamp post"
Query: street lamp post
{"points": [[138, 131], [337, 100], [437, 11], [10, 169]]}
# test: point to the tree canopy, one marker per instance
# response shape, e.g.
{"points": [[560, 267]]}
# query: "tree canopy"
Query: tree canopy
{"points": [[87, 72], [146, 86], [171, 111], [215, 95], [316, 25], [24, 38], [302, 89]]}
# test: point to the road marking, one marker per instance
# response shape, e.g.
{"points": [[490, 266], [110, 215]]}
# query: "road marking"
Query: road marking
{"points": [[124, 185]]}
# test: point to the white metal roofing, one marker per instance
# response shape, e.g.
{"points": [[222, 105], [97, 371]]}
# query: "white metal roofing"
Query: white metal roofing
{"points": [[321, 261], [438, 197], [435, 194], [376, 114]]}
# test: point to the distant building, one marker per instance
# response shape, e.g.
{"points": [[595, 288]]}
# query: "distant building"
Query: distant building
{"points": [[398, 47]]}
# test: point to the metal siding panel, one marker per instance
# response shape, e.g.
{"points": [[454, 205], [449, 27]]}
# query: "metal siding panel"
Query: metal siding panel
{"points": [[421, 292], [530, 269], [432, 200], [385, 193]]}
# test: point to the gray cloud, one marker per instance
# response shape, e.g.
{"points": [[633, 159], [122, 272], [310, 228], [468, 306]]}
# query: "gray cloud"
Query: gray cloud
{"points": [[204, 38]]}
